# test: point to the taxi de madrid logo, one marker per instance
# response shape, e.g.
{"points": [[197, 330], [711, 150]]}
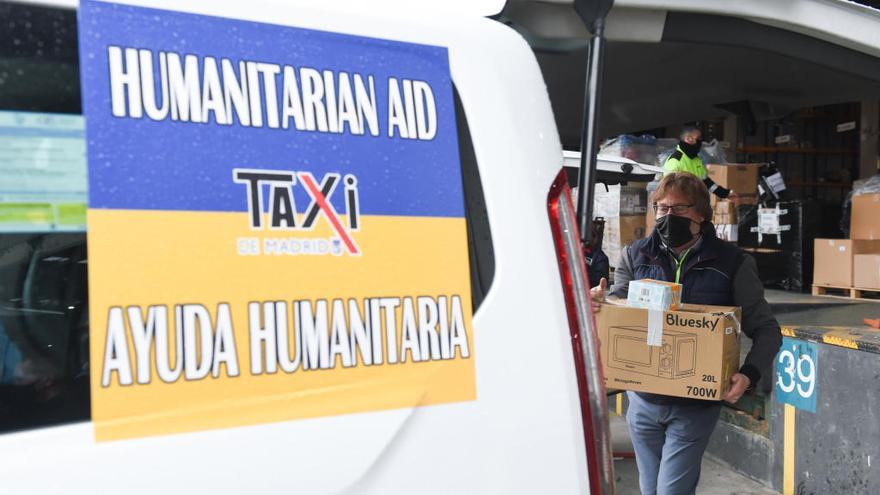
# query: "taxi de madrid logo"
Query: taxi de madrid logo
{"points": [[280, 212]]}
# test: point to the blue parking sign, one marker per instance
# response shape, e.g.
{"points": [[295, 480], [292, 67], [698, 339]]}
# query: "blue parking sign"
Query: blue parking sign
{"points": [[797, 370]]}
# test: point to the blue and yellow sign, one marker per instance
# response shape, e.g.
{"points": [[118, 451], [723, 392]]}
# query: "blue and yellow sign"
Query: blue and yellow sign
{"points": [[276, 223]]}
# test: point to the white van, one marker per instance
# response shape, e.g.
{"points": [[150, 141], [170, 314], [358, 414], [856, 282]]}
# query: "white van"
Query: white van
{"points": [[530, 415]]}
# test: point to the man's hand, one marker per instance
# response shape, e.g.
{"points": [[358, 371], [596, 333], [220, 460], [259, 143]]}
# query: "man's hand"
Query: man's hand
{"points": [[733, 197], [597, 294], [738, 385]]}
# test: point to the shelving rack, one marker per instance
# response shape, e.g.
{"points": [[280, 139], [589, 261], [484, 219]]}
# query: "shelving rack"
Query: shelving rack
{"points": [[822, 163]]}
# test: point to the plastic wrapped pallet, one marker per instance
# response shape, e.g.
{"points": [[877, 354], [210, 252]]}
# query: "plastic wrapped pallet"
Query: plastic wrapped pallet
{"points": [[713, 152], [642, 149], [870, 185], [847, 206], [624, 209], [617, 200]]}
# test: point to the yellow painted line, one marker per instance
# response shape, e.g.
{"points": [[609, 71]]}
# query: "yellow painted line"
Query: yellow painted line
{"points": [[788, 452], [620, 404], [837, 336], [840, 340]]}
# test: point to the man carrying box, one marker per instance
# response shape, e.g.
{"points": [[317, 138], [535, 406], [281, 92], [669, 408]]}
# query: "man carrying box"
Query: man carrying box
{"points": [[670, 434]]}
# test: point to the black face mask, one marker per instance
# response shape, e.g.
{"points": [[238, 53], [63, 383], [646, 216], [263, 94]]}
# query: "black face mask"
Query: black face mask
{"points": [[674, 230], [691, 150]]}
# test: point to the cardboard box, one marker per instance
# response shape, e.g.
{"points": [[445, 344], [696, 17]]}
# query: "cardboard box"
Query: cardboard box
{"points": [[650, 221], [724, 212], [621, 232], [833, 260], [654, 294], [865, 218], [742, 178], [867, 271], [698, 351]]}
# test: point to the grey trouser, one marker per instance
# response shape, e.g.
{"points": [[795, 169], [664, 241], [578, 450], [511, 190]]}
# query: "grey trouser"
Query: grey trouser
{"points": [[669, 442]]}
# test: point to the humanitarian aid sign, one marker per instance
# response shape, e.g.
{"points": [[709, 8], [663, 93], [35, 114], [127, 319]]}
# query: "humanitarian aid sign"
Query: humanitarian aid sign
{"points": [[275, 225]]}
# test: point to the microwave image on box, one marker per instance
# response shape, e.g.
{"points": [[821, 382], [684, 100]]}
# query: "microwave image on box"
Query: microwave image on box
{"points": [[629, 350]]}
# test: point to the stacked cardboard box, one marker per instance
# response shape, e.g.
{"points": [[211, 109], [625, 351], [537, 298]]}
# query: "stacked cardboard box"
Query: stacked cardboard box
{"points": [[623, 208], [741, 178], [725, 219], [724, 213], [650, 220], [865, 219], [853, 262], [650, 215], [866, 271], [865, 226], [836, 260]]}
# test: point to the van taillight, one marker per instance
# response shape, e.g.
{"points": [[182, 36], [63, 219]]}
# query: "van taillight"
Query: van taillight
{"points": [[584, 343]]}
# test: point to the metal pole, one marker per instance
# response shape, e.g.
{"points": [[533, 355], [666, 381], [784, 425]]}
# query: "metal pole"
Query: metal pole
{"points": [[590, 131]]}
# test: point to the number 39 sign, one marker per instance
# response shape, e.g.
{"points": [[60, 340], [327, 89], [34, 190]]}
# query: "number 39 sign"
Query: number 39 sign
{"points": [[797, 367]]}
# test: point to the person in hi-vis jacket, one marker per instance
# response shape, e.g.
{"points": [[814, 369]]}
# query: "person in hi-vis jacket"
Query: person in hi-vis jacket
{"points": [[686, 158]]}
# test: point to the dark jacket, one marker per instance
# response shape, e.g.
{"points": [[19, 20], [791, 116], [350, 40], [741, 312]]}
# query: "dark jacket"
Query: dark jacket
{"points": [[714, 272], [598, 267]]}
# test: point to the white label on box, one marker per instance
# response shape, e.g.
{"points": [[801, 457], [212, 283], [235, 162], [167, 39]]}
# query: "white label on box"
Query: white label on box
{"points": [[846, 126], [842, 249], [785, 138], [649, 296], [768, 220], [776, 182], [655, 327], [727, 232]]}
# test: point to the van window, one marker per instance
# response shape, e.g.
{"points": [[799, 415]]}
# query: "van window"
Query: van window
{"points": [[44, 375], [44, 330], [480, 250]]}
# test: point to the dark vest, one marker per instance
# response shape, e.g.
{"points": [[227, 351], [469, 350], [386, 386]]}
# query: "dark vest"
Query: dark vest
{"points": [[706, 275]]}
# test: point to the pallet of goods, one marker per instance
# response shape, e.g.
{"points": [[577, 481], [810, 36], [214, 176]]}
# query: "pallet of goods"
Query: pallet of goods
{"points": [[851, 267]]}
